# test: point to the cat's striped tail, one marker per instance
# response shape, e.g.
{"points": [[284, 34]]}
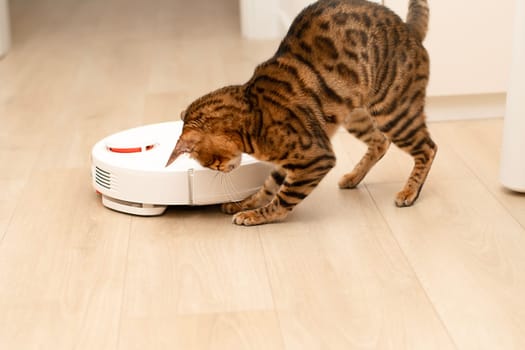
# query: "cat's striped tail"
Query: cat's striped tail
{"points": [[417, 18]]}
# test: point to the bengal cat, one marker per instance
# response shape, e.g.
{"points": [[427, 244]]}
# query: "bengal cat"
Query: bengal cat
{"points": [[343, 62]]}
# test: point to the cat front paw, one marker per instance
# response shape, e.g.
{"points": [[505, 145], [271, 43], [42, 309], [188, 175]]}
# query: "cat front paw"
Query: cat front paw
{"points": [[249, 218], [232, 208], [264, 215]]}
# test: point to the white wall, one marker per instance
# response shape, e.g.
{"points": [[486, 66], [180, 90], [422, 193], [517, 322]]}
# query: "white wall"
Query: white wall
{"points": [[469, 42], [260, 19], [290, 8], [269, 19]]}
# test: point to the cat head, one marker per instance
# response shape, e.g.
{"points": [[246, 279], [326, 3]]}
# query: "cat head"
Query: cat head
{"points": [[217, 152], [212, 132]]}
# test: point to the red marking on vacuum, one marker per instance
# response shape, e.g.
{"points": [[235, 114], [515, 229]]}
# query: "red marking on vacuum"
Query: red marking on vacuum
{"points": [[131, 149]]}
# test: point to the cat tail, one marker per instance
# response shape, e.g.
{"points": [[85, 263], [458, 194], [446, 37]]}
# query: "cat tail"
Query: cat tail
{"points": [[417, 18]]}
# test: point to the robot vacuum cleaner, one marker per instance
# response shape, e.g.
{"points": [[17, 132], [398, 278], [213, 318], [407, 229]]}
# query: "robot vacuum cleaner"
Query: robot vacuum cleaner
{"points": [[128, 170]]}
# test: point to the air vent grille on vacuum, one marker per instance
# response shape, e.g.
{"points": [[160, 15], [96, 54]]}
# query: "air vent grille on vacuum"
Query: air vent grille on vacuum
{"points": [[103, 178]]}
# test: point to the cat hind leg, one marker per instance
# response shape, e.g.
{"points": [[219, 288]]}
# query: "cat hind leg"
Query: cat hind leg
{"points": [[423, 150]]}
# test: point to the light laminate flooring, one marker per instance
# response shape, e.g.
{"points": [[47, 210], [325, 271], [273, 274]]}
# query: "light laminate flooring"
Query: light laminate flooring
{"points": [[346, 270]]}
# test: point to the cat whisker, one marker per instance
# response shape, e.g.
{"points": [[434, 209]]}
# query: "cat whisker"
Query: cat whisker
{"points": [[231, 190], [227, 185]]}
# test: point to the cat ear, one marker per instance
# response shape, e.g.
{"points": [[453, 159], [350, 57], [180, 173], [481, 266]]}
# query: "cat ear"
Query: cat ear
{"points": [[183, 115], [181, 147]]}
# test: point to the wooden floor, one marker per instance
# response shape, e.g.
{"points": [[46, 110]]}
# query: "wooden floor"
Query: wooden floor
{"points": [[347, 270]]}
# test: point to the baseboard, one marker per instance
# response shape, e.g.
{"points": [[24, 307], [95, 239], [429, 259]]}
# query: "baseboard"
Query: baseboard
{"points": [[464, 107]]}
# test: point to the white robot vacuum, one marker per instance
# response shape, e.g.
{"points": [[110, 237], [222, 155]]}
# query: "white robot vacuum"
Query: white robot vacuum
{"points": [[128, 170]]}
